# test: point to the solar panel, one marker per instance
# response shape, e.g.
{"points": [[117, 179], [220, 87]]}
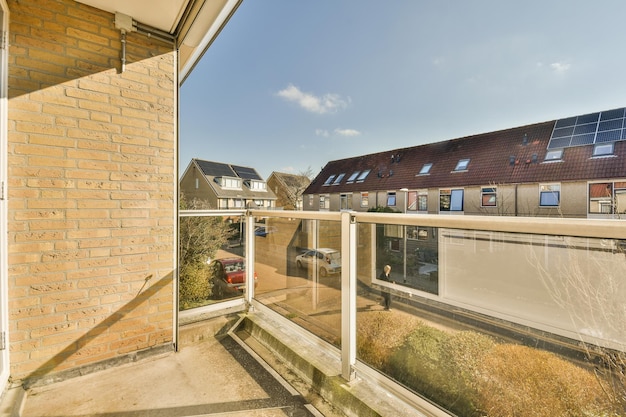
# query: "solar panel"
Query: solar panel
{"points": [[215, 169], [589, 129], [246, 173]]}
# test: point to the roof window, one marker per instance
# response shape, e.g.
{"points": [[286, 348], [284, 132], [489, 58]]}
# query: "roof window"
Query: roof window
{"points": [[603, 149], [363, 175], [352, 177], [329, 180], [462, 165], [425, 169], [339, 178], [554, 155]]}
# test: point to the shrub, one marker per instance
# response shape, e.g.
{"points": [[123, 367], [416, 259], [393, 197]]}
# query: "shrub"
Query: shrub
{"points": [[525, 382], [379, 335], [194, 284]]}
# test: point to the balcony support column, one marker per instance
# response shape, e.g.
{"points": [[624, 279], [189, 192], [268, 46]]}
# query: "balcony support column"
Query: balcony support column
{"points": [[348, 294]]}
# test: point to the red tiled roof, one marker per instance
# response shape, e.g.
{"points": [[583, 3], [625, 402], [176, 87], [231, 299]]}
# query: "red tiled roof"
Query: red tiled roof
{"points": [[508, 156]]}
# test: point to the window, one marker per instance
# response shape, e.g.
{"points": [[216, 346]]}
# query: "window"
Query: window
{"points": [[451, 200], [556, 155], [488, 197], [549, 195], [363, 175], [365, 200], [412, 201], [462, 165], [324, 202], [422, 200], [391, 199], [257, 185], [345, 202], [229, 182], [311, 199], [352, 177], [238, 203], [197, 183], [603, 149], [425, 169], [607, 197], [338, 179], [329, 180]]}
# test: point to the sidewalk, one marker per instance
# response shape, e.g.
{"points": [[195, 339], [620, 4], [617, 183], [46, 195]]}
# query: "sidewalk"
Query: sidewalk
{"points": [[209, 376]]}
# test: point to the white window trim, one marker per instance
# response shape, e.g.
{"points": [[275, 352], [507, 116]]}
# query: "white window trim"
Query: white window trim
{"points": [[550, 184]]}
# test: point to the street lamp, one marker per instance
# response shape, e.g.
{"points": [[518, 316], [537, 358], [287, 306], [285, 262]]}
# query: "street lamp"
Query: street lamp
{"points": [[406, 196]]}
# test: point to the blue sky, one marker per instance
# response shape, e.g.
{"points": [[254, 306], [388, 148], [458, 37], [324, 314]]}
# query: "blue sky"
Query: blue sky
{"points": [[290, 85]]}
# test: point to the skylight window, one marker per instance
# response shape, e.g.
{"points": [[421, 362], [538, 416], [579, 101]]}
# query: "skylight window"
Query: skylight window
{"points": [[329, 180], [603, 149], [462, 165], [339, 178], [363, 175], [555, 155], [425, 169], [352, 177]]}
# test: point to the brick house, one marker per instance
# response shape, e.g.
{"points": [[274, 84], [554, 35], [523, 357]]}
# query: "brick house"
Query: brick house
{"points": [[89, 178], [226, 186], [571, 167]]}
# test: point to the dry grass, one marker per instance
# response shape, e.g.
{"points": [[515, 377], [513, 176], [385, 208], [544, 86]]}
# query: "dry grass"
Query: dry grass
{"points": [[472, 375], [520, 381]]}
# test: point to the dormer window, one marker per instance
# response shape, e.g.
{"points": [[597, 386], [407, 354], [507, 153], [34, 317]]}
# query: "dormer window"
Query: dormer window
{"points": [[363, 175], [329, 180], [229, 183], [555, 155], [352, 177], [603, 149], [338, 179], [257, 185], [462, 165], [425, 169]]}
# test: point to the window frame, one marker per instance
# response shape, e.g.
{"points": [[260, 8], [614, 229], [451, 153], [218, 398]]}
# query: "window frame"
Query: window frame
{"points": [[489, 192], [454, 194], [551, 188], [392, 197], [365, 199]]}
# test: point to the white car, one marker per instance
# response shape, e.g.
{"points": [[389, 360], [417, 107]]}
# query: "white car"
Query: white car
{"points": [[325, 260]]}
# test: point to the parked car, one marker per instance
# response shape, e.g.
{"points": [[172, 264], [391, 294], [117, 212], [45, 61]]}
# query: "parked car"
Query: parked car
{"points": [[229, 277], [263, 231], [325, 260]]}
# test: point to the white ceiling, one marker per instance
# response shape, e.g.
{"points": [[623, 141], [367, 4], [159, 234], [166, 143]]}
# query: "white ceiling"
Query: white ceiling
{"points": [[161, 14], [202, 25]]}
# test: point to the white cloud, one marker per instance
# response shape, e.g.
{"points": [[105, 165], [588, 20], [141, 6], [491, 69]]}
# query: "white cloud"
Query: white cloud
{"points": [[322, 132], [328, 103], [347, 132], [560, 67]]}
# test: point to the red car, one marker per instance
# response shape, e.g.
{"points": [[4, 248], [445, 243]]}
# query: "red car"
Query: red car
{"points": [[229, 277]]}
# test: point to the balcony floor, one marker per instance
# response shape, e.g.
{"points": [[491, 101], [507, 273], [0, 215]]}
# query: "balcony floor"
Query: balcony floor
{"points": [[209, 376]]}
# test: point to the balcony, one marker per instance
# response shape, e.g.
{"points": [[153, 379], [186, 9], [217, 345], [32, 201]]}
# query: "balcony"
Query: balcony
{"points": [[480, 306]]}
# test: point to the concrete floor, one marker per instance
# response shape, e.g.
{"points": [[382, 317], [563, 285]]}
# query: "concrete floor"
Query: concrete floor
{"points": [[210, 376]]}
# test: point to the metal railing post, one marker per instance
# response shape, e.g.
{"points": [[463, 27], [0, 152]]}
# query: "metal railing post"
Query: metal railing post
{"points": [[249, 257], [348, 294]]}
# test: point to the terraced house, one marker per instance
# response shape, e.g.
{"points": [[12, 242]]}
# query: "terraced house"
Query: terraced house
{"points": [[572, 167], [89, 177]]}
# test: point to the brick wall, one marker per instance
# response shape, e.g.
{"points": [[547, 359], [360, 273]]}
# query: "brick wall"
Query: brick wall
{"points": [[91, 194]]}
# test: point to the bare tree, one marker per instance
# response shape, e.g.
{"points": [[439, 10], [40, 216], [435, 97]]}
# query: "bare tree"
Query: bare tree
{"points": [[586, 280]]}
